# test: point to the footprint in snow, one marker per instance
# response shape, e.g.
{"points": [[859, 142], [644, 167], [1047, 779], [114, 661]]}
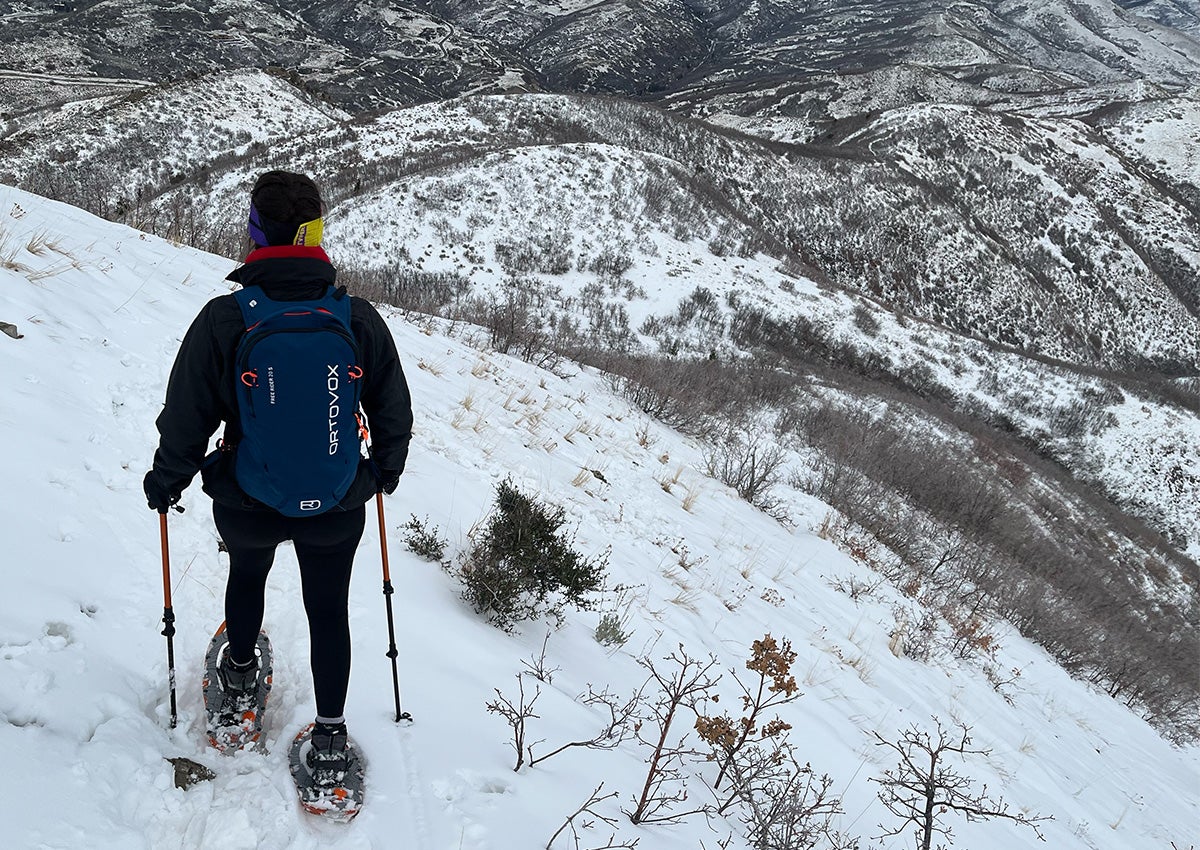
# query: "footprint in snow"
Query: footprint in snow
{"points": [[467, 796]]}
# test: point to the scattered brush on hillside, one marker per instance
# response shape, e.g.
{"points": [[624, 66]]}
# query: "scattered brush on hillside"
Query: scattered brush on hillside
{"points": [[980, 531], [528, 318], [982, 528], [1064, 433], [972, 530]]}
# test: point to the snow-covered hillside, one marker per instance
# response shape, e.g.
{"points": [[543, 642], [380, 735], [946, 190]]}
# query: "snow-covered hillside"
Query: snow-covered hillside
{"points": [[482, 191], [83, 692]]}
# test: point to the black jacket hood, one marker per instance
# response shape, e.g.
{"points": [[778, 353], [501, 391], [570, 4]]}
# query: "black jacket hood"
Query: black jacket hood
{"points": [[287, 272]]}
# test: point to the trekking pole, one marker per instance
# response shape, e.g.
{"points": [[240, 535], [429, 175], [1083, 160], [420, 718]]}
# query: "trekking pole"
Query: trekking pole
{"points": [[168, 613], [392, 653]]}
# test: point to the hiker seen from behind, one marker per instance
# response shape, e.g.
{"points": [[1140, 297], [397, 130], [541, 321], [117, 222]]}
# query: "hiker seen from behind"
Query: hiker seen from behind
{"points": [[288, 365]]}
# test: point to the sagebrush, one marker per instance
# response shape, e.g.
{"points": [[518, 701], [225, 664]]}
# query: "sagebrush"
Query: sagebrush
{"points": [[521, 566]]}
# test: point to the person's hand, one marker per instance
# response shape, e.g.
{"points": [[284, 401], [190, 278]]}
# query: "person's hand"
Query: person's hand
{"points": [[158, 497], [388, 481]]}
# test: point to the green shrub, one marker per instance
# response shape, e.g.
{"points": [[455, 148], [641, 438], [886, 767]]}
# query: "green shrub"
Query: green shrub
{"points": [[520, 566], [610, 631], [423, 540]]}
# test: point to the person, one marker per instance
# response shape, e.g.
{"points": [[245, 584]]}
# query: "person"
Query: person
{"points": [[287, 262]]}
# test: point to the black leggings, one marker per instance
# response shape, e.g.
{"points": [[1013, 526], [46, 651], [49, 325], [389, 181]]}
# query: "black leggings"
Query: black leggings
{"points": [[325, 546]]}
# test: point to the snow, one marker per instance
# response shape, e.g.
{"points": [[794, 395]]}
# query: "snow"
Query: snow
{"points": [[1163, 132], [83, 679]]}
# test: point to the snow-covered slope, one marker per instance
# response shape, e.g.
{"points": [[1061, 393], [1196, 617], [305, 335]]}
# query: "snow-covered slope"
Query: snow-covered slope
{"points": [[82, 665], [1039, 233], [1160, 136], [1182, 14], [1072, 194], [1036, 232], [154, 137]]}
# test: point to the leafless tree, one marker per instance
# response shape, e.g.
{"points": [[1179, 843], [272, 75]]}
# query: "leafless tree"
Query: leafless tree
{"points": [[516, 713], [923, 787], [749, 462], [681, 685]]}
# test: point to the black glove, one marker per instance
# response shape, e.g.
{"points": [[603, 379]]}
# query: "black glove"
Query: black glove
{"points": [[158, 497], [388, 481]]}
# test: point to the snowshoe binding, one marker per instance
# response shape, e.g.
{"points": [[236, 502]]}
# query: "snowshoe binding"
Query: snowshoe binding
{"points": [[234, 700], [329, 771]]}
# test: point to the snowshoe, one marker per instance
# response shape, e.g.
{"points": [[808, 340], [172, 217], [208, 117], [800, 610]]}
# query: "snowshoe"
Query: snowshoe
{"points": [[235, 702], [329, 776]]}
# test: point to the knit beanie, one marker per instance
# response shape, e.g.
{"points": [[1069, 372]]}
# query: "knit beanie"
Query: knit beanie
{"points": [[285, 209]]}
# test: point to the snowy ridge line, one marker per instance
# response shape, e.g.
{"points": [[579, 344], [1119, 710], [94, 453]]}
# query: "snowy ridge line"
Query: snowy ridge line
{"points": [[62, 79]]}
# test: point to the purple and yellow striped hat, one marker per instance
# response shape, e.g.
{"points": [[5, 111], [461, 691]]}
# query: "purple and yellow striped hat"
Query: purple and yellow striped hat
{"points": [[285, 209]]}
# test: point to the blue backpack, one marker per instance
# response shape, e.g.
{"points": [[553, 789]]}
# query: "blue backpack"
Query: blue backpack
{"points": [[298, 383]]}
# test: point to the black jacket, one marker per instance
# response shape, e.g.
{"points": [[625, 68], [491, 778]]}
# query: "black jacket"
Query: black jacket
{"points": [[200, 392]]}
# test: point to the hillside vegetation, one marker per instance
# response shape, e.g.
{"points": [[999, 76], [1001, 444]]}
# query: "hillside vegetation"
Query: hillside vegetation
{"points": [[937, 265]]}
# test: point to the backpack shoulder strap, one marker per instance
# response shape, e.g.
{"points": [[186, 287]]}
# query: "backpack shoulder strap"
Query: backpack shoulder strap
{"points": [[254, 303], [337, 302], [256, 306]]}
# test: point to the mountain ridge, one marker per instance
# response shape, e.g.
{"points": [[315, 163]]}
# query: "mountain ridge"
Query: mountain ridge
{"points": [[367, 58]]}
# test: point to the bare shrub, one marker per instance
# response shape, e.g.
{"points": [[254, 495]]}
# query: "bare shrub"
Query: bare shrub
{"points": [[612, 261], [856, 588], [422, 540], [622, 718], [407, 287], [516, 713], [750, 463], [697, 317], [537, 666], [544, 252], [692, 395], [514, 322], [683, 682], [786, 805], [923, 787], [593, 799], [865, 320]]}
